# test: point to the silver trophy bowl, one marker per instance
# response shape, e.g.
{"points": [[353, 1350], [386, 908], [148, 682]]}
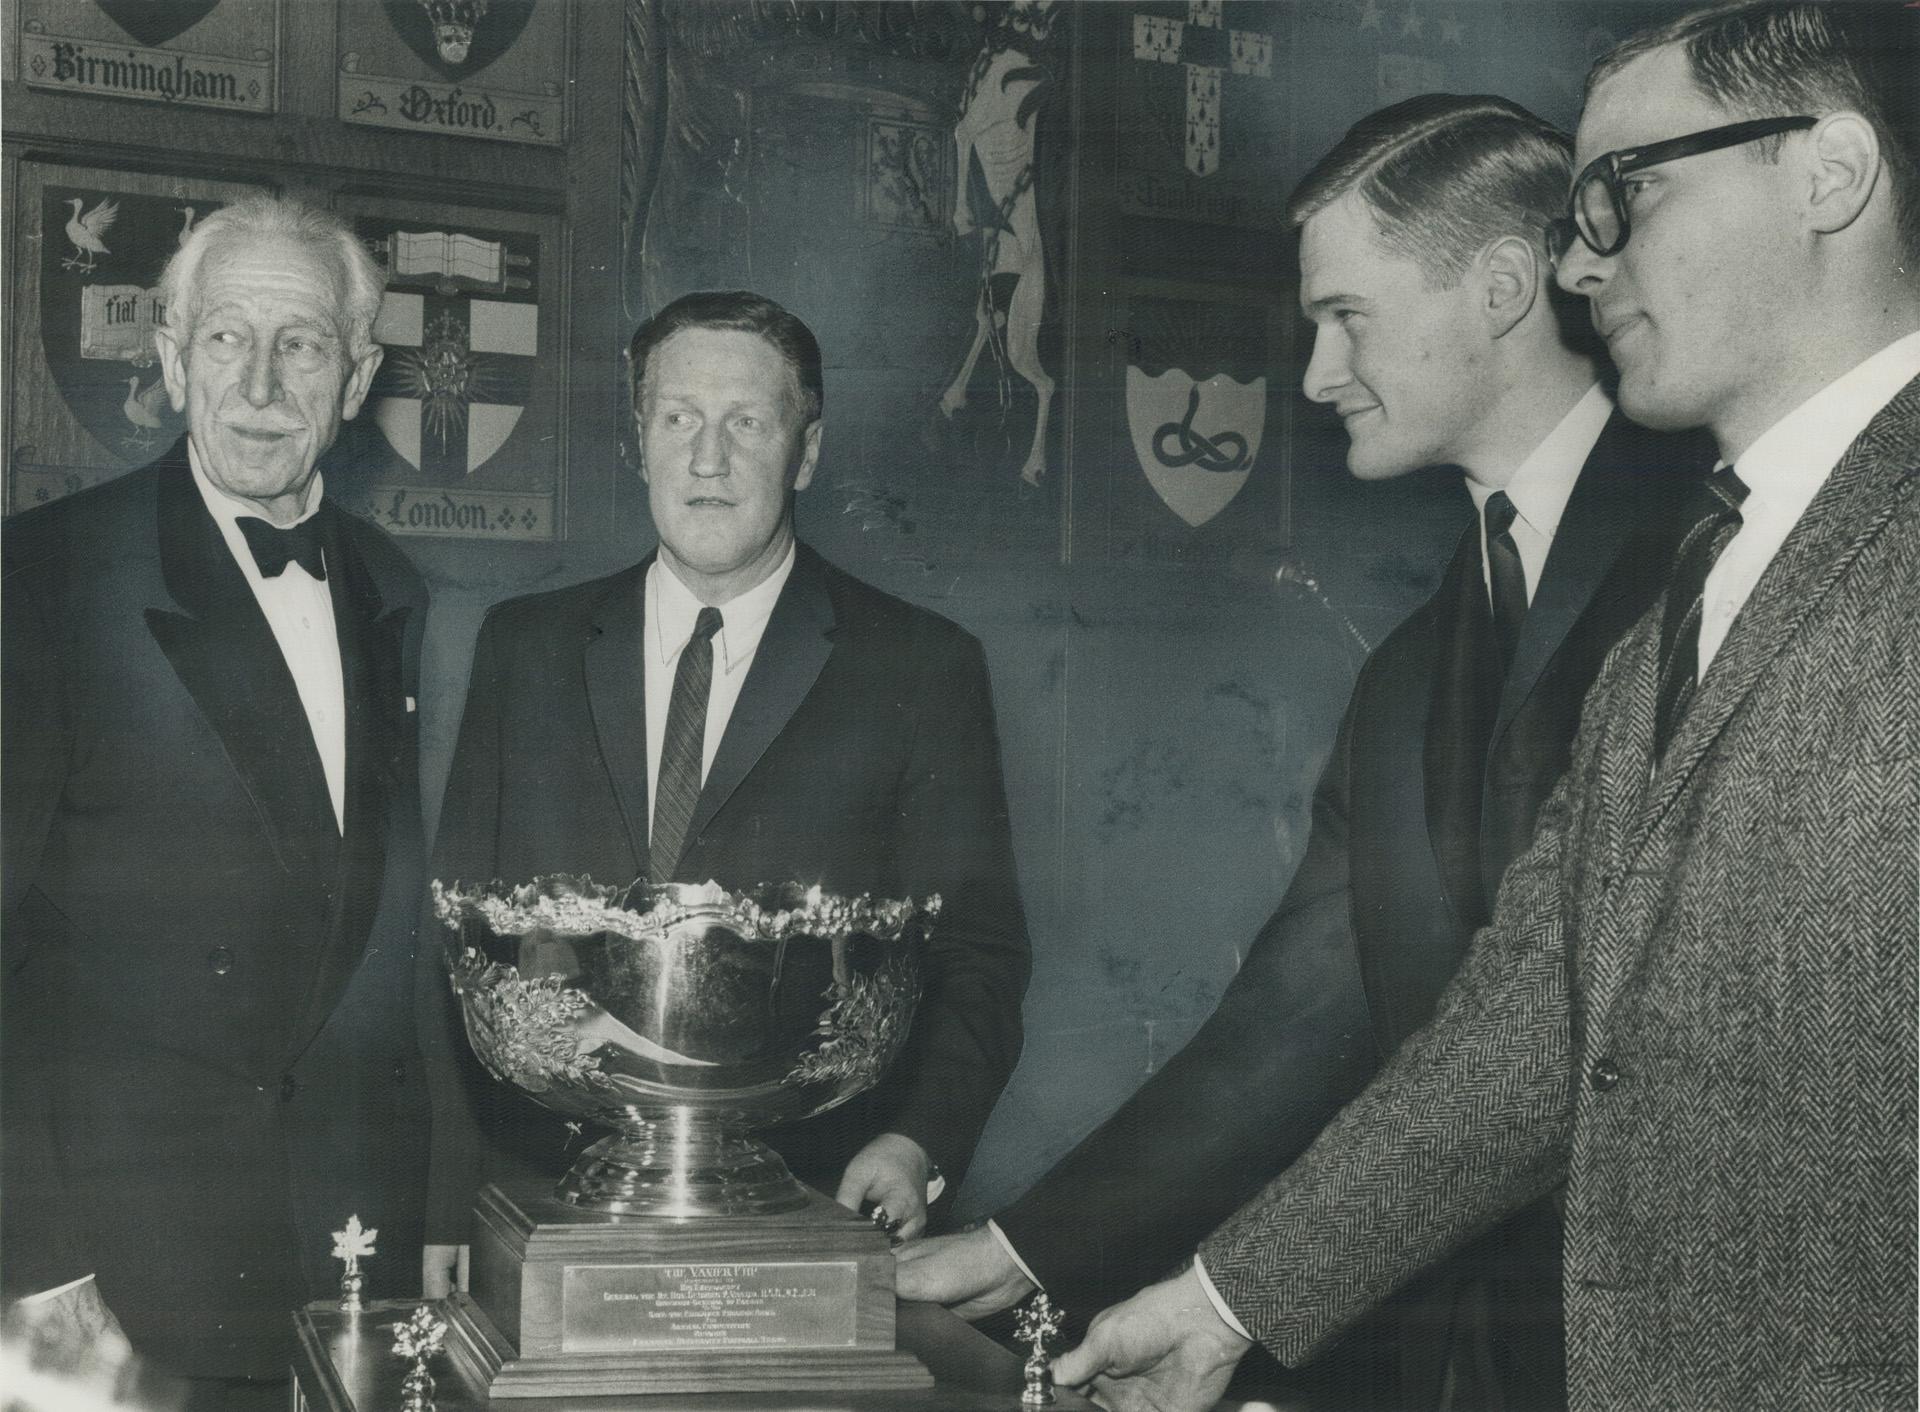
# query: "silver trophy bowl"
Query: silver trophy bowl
{"points": [[683, 1017]]}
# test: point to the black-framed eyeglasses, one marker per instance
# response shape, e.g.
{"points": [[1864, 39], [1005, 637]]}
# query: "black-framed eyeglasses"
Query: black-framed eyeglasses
{"points": [[1597, 209]]}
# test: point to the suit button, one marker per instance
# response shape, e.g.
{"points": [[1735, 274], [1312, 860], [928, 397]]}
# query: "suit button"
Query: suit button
{"points": [[399, 1071], [289, 1086], [1605, 1074], [219, 960]]}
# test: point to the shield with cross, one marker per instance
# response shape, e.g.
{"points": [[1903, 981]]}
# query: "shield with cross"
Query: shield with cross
{"points": [[460, 324], [1209, 51]]}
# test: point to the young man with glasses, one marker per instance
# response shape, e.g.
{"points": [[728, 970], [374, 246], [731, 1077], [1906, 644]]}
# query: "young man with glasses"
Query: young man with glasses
{"points": [[1424, 269], [1696, 1004]]}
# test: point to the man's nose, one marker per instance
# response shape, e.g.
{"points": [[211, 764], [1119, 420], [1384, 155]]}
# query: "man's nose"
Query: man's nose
{"points": [[1327, 369], [1579, 270], [709, 451], [263, 378]]}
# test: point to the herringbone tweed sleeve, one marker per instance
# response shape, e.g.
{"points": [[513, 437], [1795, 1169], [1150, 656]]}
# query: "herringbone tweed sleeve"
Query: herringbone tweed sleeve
{"points": [[1470, 1120]]}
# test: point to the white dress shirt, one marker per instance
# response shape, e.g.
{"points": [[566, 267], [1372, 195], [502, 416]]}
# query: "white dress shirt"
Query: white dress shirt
{"points": [[1541, 486], [671, 610], [299, 609], [1539, 489], [1784, 469]]}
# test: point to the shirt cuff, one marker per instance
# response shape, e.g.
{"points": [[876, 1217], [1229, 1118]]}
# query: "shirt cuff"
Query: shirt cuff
{"points": [[1227, 1315], [1012, 1254], [46, 1294]]}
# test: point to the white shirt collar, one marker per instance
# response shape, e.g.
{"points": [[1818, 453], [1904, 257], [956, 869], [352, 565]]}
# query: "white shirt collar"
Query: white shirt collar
{"points": [[1543, 483], [1792, 459], [227, 511], [742, 620]]}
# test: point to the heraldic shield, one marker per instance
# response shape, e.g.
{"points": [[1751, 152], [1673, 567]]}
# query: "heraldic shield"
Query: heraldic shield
{"points": [[1197, 441], [1196, 401], [101, 253]]}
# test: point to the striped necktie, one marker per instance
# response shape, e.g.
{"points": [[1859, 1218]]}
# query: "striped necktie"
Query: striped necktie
{"points": [[678, 789], [1717, 522]]}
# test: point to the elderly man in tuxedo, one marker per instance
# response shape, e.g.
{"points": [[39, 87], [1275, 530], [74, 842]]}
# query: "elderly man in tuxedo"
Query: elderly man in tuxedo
{"points": [[213, 852], [1424, 268], [734, 707], [1695, 1005]]}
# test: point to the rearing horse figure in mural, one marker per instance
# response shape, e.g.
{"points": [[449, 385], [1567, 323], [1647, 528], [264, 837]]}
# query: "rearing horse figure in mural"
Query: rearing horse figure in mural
{"points": [[994, 137]]}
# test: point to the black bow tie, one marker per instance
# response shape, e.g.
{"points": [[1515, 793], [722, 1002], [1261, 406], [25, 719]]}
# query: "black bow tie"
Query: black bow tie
{"points": [[274, 548]]}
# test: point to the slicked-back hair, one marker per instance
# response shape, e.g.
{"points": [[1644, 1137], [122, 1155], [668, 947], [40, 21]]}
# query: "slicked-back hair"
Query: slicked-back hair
{"points": [[360, 281], [745, 312], [1445, 175], [1767, 58]]}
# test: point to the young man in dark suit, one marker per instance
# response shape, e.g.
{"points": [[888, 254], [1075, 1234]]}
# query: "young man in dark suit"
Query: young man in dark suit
{"points": [[836, 735], [213, 851], [1424, 269], [1695, 1006]]}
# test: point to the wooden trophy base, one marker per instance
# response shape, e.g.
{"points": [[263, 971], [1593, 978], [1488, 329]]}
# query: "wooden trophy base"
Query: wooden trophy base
{"points": [[572, 1303]]}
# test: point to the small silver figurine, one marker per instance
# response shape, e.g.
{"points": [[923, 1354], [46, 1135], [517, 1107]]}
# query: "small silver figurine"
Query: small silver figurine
{"points": [[1036, 1324], [350, 1245], [419, 1339]]}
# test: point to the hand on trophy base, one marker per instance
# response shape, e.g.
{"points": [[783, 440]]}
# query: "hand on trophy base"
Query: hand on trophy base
{"points": [[891, 1171], [970, 1273]]}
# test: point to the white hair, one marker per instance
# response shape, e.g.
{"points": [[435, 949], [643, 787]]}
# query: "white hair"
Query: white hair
{"points": [[265, 216]]}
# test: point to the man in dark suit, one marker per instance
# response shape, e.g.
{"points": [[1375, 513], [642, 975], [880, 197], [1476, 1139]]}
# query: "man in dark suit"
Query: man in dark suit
{"points": [[736, 708], [1696, 1003], [212, 846], [1424, 268]]}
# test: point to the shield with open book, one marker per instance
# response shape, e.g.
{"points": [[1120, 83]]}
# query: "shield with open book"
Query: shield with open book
{"points": [[461, 325]]}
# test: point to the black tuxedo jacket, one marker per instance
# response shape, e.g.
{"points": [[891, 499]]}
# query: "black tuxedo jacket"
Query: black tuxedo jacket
{"points": [[1413, 825], [861, 754], [210, 1050]]}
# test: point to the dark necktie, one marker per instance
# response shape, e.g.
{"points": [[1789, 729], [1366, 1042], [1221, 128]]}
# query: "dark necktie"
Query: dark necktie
{"points": [[678, 788], [1506, 577], [1717, 521], [274, 548]]}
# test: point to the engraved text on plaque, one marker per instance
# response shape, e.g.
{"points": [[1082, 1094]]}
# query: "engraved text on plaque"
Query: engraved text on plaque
{"points": [[619, 1308]]}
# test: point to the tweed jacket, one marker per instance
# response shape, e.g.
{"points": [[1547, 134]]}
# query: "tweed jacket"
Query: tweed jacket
{"points": [[1396, 879], [1695, 1005]]}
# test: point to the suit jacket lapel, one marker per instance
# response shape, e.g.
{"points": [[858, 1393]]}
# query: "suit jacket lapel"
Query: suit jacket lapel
{"points": [[1855, 504], [219, 644], [1597, 519], [792, 652], [1459, 725], [615, 663]]}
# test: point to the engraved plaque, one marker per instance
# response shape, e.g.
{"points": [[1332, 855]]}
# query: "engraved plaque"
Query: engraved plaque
{"points": [[791, 1304]]}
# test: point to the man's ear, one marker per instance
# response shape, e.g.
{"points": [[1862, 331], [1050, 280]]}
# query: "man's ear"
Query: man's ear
{"points": [[359, 380], [1510, 271], [173, 366], [1844, 168], [809, 455]]}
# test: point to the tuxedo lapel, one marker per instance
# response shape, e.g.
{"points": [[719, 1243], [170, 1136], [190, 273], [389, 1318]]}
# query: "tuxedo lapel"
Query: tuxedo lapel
{"points": [[1466, 675], [380, 776], [792, 652], [615, 665], [220, 646], [1854, 506]]}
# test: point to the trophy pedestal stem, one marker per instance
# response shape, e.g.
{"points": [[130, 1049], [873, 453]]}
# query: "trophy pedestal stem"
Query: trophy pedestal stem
{"points": [[681, 1167], [568, 1302]]}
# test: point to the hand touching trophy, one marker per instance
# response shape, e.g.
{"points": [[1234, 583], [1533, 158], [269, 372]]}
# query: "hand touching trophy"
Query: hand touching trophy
{"points": [[680, 1250]]}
